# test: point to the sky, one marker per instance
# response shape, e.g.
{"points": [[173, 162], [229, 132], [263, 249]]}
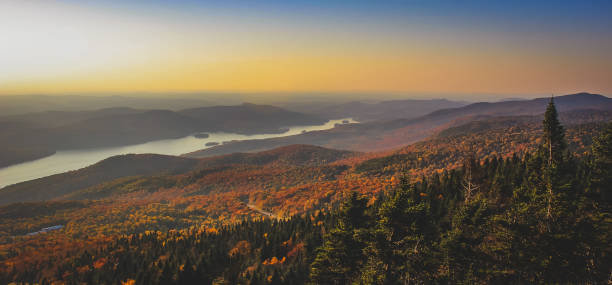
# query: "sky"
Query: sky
{"points": [[395, 47]]}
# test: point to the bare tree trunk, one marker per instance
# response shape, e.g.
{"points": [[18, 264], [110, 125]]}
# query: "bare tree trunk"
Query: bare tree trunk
{"points": [[549, 186], [469, 187]]}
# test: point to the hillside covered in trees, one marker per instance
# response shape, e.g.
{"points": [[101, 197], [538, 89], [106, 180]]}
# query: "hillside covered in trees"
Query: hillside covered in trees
{"points": [[492, 202]]}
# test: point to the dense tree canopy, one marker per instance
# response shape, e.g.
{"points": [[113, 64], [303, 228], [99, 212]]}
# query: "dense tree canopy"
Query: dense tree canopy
{"points": [[540, 216]]}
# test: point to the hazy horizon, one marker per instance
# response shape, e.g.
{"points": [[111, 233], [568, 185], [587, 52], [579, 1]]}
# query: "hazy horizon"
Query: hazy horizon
{"points": [[385, 142], [297, 97]]}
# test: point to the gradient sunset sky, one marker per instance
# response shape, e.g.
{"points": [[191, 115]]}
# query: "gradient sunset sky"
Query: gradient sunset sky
{"points": [[462, 47]]}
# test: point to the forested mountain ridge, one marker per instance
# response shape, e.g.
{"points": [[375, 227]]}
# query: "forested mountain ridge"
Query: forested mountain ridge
{"points": [[288, 155], [249, 118], [382, 111], [57, 185], [27, 104], [530, 107], [28, 136], [387, 135], [484, 123], [486, 138], [132, 167], [540, 216]]}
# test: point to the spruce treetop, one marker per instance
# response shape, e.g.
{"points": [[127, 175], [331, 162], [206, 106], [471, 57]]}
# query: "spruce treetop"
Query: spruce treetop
{"points": [[554, 134]]}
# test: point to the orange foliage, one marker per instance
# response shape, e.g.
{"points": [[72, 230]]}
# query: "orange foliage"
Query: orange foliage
{"points": [[99, 263], [242, 247]]}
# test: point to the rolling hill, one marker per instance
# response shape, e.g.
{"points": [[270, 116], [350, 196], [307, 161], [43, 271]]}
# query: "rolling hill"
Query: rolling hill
{"points": [[27, 104], [203, 202], [30, 136], [248, 118], [295, 155], [130, 169], [53, 186], [381, 135], [384, 110]]}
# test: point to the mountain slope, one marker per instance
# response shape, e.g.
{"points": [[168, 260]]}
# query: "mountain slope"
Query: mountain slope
{"points": [[248, 118], [119, 171], [28, 136], [24, 104], [528, 107], [381, 135], [111, 168], [62, 118], [385, 110], [296, 155]]}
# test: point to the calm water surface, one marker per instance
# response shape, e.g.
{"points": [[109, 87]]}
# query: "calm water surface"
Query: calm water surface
{"points": [[67, 160]]}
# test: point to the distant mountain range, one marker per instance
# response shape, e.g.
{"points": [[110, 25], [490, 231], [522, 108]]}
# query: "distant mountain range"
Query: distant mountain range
{"points": [[385, 110], [22, 104], [29, 136], [146, 172], [380, 135], [138, 171]]}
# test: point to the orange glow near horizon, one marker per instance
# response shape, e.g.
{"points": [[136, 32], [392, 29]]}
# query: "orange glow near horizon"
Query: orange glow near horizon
{"points": [[99, 51]]}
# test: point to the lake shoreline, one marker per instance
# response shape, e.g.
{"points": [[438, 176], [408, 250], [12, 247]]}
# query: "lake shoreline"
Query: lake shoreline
{"points": [[68, 160]]}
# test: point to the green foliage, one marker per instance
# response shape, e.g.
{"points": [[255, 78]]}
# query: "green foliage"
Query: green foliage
{"points": [[540, 218], [532, 220], [338, 259], [554, 135], [602, 167]]}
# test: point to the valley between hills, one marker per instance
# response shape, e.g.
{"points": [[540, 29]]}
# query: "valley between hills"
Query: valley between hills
{"points": [[462, 180]]}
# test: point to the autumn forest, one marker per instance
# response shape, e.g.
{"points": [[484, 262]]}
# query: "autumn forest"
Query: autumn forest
{"points": [[507, 199]]}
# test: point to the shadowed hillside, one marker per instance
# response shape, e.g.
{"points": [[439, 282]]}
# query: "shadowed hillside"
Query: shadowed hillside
{"points": [[30, 136], [131, 170], [385, 110], [473, 190], [111, 168], [381, 135], [287, 155]]}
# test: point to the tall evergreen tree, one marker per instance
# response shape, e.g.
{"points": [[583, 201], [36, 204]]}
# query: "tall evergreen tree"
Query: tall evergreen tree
{"points": [[552, 150], [339, 258], [554, 135], [602, 166], [462, 244], [400, 246]]}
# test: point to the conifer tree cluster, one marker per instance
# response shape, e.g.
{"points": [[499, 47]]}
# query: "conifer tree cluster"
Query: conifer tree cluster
{"points": [[540, 218]]}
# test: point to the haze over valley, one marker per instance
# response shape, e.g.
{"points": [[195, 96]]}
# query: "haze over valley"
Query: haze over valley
{"points": [[305, 142]]}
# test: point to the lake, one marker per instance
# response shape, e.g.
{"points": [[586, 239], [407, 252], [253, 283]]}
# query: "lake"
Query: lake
{"points": [[67, 160]]}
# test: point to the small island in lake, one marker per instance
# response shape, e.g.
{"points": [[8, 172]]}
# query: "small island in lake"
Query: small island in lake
{"points": [[211, 143], [201, 136]]}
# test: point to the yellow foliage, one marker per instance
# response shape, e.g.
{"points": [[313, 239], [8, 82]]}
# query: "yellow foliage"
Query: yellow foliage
{"points": [[274, 260], [242, 247]]}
